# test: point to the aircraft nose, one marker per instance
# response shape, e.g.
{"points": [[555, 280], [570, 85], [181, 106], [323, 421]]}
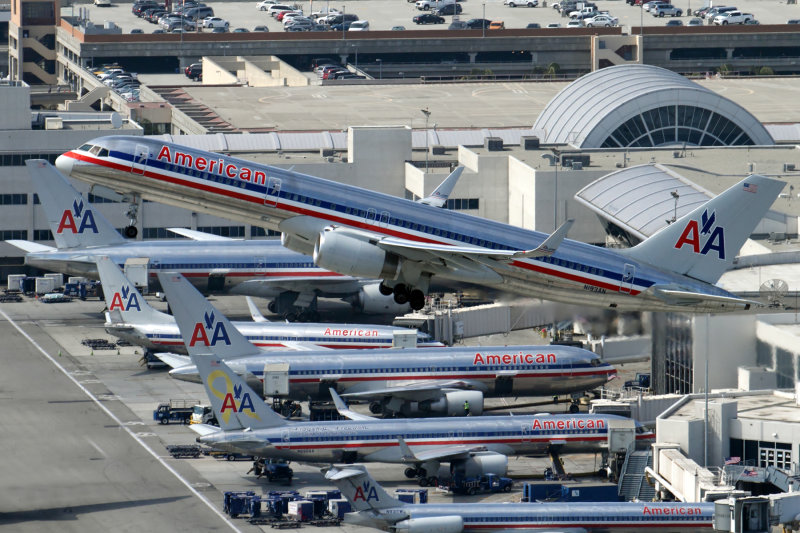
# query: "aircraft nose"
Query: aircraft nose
{"points": [[64, 164]]}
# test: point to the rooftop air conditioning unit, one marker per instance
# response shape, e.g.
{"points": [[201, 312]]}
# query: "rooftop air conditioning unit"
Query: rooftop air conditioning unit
{"points": [[493, 144]]}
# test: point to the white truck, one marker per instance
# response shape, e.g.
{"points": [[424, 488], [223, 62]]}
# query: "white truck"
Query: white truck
{"points": [[515, 3], [733, 17], [426, 5]]}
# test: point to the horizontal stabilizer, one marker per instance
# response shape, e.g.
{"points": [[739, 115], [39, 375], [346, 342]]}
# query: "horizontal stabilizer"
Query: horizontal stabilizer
{"points": [[254, 312], [440, 195], [692, 299], [199, 235], [30, 246], [344, 410], [204, 429], [173, 360]]}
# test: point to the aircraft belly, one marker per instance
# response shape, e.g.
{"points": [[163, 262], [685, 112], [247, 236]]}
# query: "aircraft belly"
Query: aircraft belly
{"points": [[386, 454]]}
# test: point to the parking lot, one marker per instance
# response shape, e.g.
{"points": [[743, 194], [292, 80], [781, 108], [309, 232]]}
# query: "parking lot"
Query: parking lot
{"points": [[385, 14]]}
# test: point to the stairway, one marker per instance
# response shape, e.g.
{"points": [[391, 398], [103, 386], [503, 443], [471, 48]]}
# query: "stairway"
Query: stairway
{"points": [[633, 483]]}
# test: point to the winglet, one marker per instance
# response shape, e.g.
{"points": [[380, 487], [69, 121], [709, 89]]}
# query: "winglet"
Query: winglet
{"points": [[550, 244], [254, 312], [441, 193], [344, 410]]}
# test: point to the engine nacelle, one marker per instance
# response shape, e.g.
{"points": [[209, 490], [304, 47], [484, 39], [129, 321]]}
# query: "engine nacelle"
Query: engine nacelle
{"points": [[353, 256], [371, 301], [452, 403], [433, 524], [480, 464]]}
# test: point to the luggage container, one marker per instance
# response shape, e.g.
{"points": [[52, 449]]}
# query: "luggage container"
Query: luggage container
{"points": [[339, 507], [300, 510], [15, 282], [58, 279], [44, 285], [76, 279], [412, 495]]}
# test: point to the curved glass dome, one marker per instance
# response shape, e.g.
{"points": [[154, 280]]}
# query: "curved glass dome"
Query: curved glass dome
{"points": [[643, 106]]}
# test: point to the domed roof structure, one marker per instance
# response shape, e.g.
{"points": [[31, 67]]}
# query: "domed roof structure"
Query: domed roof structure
{"points": [[642, 105]]}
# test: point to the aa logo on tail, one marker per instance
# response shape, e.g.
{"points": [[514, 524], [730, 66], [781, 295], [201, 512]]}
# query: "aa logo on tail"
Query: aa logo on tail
{"points": [[234, 399], [78, 220], [365, 493], [705, 238], [210, 333], [124, 300]]}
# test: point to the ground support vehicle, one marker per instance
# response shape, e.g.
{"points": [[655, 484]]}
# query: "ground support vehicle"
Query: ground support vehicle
{"points": [[272, 469], [174, 411], [472, 485]]}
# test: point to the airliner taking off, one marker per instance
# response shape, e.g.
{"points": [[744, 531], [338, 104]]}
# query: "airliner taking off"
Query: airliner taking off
{"points": [[374, 507], [261, 268], [359, 232], [130, 317], [428, 381], [249, 426]]}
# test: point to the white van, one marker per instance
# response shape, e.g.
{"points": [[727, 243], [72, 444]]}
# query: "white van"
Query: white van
{"points": [[359, 25]]}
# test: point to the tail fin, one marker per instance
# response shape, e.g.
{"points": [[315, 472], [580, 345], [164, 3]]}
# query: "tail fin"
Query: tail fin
{"points": [[360, 489], [235, 404], [124, 301], [72, 220], [204, 329], [703, 243]]}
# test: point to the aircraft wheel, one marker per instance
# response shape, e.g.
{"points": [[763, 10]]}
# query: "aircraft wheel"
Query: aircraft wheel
{"points": [[385, 289], [131, 232], [400, 294], [507, 488], [417, 299], [471, 491], [271, 306], [375, 408], [410, 473], [291, 317], [423, 482], [573, 408]]}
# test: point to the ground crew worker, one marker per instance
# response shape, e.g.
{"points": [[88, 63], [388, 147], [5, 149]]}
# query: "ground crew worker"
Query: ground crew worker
{"points": [[466, 407]]}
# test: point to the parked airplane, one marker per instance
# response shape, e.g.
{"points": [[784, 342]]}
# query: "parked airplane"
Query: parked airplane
{"points": [[374, 507], [359, 232], [426, 380], [479, 443], [130, 317], [261, 268]]}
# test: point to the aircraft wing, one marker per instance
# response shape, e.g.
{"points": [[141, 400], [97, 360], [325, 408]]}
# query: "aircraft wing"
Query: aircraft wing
{"points": [[30, 246], [440, 453], [417, 391], [199, 235], [404, 246], [173, 360], [204, 429], [302, 346], [688, 298]]}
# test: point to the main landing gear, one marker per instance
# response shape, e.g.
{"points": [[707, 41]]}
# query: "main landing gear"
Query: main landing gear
{"points": [[404, 294], [422, 477]]}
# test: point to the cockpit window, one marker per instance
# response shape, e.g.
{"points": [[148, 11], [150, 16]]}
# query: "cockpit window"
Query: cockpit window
{"points": [[103, 152], [642, 429], [596, 362], [95, 150], [86, 147]]}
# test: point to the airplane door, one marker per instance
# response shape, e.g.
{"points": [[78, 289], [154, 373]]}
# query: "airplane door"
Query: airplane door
{"points": [[526, 434], [628, 276], [140, 157], [384, 219], [371, 215], [273, 192]]}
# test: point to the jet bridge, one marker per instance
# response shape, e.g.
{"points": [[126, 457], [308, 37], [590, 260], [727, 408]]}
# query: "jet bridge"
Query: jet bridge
{"points": [[758, 514]]}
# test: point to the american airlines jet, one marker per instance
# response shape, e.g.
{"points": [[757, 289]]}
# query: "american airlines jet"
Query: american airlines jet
{"points": [[374, 507], [130, 317], [262, 268], [359, 232], [249, 426], [431, 381]]}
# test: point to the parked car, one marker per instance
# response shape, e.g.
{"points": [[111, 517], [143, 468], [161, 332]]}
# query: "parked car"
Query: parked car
{"points": [[298, 23], [215, 22], [497, 25], [515, 3], [732, 17], [553, 25], [194, 71], [694, 22], [674, 22], [331, 73], [199, 13], [575, 23], [181, 24], [449, 9], [662, 10], [260, 28], [219, 29], [263, 5], [533, 26], [458, 25], [398, 28], [137, 30], [343, 26], [159, 30], [477, 24], [428, 18], [359, 25], [717, 10], [241, 30], [283, 16], [601, 21]]}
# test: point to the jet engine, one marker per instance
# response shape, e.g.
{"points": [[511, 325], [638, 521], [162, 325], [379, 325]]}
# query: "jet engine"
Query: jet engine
{"points": [[433, 524], [370, 300], [354, 256], [480, 464], [452, 403], [296, 244]]}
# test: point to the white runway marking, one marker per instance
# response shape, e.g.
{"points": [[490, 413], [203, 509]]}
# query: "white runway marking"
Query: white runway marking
{"points": [[120, 423]]}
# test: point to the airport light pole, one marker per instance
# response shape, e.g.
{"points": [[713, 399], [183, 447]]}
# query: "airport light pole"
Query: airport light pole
{"points": [[427, 114], [483, 22]]}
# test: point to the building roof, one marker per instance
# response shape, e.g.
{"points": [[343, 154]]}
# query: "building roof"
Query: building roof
{"points": [[641, 105]]}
